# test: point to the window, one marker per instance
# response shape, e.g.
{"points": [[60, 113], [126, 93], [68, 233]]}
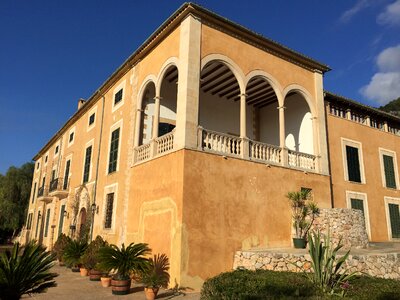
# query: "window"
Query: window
{"points": [[71, 137], [388, 163], [113, 159], [37, 224], [394, 217], [92, 118], [45, 159], [109, 210], [118, 96], [46, 228], [66, 174], [29, 222], [37, 166], [353, 164], [86, 170], [359, 201], [56, 151], [389, 171], [53, 175], [61, 223], [34, 191]]}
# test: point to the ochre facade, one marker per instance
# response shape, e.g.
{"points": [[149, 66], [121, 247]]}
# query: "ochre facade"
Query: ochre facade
{"points": [[193, 143]]}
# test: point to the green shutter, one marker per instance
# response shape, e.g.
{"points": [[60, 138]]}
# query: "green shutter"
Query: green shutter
{"points": [[394, 215], [113, 159], [357, 204], [389, 171], [86, 170], [37, 225], [60, 225], [66, 175], [353, 164], [46, 229]]}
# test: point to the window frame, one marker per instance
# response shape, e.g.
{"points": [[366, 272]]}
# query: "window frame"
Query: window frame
{"points": [[360, 196], [72, 131], [117, 105], [85, 164], [382, 152], [387, 201], [112, 188], [93, 111], [115, 126], [347, 142]]}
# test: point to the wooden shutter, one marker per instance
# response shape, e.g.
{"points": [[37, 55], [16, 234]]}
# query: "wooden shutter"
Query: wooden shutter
{"points": [[353, 164], [394, 215], [389, 171], [46, 229], [60, 225], [109, 210]]}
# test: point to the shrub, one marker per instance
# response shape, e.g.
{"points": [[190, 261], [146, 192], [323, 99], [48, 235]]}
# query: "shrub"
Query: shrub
{"points": [[73, 252], [59, 246], [124, 260], [91, 256], [259, 284], [25, 270]]}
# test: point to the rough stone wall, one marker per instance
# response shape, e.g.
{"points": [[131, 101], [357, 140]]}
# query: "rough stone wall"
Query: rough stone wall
{"points": [[377, 265], [345, 223]]}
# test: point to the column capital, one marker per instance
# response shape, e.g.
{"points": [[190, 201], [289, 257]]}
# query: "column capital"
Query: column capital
{"points": [[281, 107], [243, 95], [157, 98]]}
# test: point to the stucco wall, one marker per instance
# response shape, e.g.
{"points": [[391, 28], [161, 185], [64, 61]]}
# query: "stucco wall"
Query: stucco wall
{"points": [[231, 204]]}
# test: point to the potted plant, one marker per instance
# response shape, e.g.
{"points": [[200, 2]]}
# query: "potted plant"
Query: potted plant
{"points": [[90, 258], [73, 253], [59, 247], [155, 276], [105, 279], [304, 211], [124, 261]]}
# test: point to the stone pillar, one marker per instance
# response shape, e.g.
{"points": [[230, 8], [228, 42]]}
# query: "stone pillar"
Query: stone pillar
{"points": [[319, 128], [368, 121], [188, 84], [348, 114], [156, 119], [243, 127], [282, 136], [386, 126]]}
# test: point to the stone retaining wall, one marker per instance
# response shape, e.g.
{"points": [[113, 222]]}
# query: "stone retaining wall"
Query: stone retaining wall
{"points": [[377, 265], [348, 224]]}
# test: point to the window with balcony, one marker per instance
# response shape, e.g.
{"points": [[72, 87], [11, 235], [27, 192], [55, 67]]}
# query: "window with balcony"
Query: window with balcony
{"points": [[66, 174], [86, 169], [114, 145], [109, 211]]}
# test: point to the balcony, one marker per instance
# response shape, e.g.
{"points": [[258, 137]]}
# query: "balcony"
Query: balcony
{"points": [[155, 148], [43, 194], [59, 188], [229, 145]]}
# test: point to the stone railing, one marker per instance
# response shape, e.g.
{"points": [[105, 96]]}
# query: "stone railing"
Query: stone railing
{"points": [[142, 152], [219, 142], [265, 152], [301, 160], [156, 147], [165, 143]]}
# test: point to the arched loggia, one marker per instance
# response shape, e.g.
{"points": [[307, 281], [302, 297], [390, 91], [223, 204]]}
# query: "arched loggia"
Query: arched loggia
{"points": [[168, 101], [147, 112]]}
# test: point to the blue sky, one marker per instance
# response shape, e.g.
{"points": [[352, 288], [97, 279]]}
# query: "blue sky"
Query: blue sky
{"points": [[54, 52]]}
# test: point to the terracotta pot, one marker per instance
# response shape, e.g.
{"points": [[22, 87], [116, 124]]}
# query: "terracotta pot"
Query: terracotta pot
{"points": [[120, 287], [151, 293], [94, 275], [84, 271], [105, 281]]}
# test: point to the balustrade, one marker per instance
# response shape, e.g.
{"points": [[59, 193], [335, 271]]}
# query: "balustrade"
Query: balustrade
{"points": [[220, 142], [265, 152], [301, 160], [165, 143]]}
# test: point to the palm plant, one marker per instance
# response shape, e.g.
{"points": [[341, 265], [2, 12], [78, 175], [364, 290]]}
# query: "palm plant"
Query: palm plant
{"points": [[73, 252], [157, 274], [59, 246], [25, 270], [328, 274], [91, 256], [304, 211], [124, 260]]}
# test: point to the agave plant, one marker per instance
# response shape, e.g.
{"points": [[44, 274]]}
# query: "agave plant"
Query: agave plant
{"points": [[124, 260], [329, 274], [73, 252], [25, 270], [157, 274]]}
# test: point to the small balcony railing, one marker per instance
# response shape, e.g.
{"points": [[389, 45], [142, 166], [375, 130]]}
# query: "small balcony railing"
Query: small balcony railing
{"points": [[59, 187], [265, 152], [301, 160], [156, 147], [220, 142], [42, 191]]}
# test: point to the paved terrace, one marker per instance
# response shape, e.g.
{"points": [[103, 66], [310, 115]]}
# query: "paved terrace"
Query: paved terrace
{"points": [[73, 286]]}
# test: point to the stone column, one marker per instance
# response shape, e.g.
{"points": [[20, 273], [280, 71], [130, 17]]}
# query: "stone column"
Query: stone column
{"points": [[282, 136], [188, 84], [154, 135], [243, 127]]}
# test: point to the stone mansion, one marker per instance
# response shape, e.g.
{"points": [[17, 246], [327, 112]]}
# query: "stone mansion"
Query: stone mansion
{"points": [[192, 144]]}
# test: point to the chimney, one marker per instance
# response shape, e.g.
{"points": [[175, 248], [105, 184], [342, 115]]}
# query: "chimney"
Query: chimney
{"points": [[81, 102]]}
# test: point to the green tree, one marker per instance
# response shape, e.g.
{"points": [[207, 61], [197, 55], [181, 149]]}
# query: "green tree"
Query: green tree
{"points": [[15, 189], [392, 107]]}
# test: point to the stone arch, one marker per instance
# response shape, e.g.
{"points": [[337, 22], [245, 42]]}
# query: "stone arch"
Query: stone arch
{"points": [[270, 79], [170, 62], [235, 69], [295, 88]]}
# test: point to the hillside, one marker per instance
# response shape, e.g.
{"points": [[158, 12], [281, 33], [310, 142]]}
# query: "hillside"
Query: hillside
{"points": [[392, 107]]}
